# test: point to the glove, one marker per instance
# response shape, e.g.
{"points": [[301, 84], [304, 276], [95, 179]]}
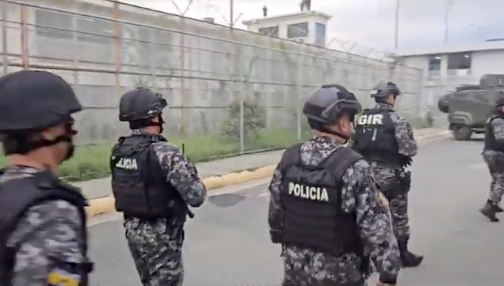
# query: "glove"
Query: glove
{"points": [[275, 236], [390, 280]]}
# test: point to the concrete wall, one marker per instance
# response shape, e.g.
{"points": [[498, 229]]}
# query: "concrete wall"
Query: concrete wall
{"points": [[201, 68]]}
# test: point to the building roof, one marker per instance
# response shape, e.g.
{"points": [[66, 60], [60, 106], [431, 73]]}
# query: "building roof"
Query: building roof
{"points": [[452, 48], [292, 16]]}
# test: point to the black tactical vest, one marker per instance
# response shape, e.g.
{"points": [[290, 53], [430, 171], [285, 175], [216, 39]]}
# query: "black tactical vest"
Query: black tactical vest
{"points": [[490, 142], [139, 186], [311, 200], [375, 137], [19, 195]]}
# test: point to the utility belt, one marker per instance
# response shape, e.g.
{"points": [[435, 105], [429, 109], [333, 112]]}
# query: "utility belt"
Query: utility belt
{"points": [[394, 160], [400, 184]]}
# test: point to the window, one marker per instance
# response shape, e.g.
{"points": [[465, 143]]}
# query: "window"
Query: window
{"points": [[269, 31], [435, 63], [320, 30], [51, 24], [297, 30], [320, 34], [95, 30], [459, 61]]}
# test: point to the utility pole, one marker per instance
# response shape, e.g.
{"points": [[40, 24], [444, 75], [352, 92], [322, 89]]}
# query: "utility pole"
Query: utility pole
{"points": [[396, 25], [231, 14], [447, 21]]}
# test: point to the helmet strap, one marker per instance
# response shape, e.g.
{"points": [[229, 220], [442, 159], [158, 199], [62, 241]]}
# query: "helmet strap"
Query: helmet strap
{"points": [[22, 146], [138, 124]]}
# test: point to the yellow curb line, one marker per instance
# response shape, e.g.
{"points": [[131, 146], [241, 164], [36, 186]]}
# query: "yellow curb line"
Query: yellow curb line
{"points": [[106, 204]]}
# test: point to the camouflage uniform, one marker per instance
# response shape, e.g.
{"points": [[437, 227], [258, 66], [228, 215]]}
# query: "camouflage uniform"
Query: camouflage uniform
{"points": [[495, 162], [156, 246], [387, 176], [360, 195], [48, 231]]}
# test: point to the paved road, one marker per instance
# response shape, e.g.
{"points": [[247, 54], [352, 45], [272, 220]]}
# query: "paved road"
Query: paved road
{"points": [[228, 245]]}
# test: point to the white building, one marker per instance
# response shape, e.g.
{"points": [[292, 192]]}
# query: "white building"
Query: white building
{"points": [[446, 67], [307, 27]]}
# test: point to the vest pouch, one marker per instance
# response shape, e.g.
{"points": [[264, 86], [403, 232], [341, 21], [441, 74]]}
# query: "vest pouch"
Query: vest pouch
{"points": [[405, 179]]}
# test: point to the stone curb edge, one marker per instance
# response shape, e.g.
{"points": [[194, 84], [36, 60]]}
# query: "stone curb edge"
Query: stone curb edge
{"points": [[106, 205]]}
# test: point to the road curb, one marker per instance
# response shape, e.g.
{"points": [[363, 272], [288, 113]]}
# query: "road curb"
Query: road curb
{"points": [[106, 205]]}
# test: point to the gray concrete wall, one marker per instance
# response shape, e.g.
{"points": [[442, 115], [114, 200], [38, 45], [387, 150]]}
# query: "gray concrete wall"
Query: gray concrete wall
{"points": [[200, 68]]}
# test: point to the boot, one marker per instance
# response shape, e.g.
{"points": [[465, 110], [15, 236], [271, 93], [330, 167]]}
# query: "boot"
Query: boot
{"points": [[489, 210], [408, 259]]}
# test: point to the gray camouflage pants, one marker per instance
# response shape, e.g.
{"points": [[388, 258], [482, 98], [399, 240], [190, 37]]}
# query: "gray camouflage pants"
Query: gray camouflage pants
{"points": [[495, 163], [388, 180], [156, 249]]}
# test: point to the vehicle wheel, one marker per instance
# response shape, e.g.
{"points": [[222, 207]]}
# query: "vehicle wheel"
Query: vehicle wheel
{"points": [[461, 132]]}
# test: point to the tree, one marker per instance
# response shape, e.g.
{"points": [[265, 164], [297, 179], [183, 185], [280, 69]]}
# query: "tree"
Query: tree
{"points": [[254, 119]]}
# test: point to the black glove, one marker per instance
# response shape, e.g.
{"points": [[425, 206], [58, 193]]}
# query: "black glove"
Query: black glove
{"points": [[275, 236], [387, 279]]}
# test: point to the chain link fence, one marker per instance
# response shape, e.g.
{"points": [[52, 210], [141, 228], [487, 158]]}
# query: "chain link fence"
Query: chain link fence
{"points": [[230, 91]]}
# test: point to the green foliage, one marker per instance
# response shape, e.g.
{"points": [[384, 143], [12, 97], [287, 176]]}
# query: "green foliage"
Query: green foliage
{"points": [[92, 161], [254, 119]]}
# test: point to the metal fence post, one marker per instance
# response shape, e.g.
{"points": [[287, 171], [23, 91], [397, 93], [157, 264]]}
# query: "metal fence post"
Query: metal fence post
{"points": [[242, 97], [299, 88], [5, 48]]}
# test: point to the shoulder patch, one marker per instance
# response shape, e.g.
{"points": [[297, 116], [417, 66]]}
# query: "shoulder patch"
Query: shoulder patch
{"points": [[383, 201], [59, 277]]}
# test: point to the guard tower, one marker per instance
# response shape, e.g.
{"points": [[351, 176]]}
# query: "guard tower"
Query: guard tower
{"points": [[305, 27]]}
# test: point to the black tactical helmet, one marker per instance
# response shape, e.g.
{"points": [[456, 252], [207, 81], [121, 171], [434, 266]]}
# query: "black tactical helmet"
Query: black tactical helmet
{"points": [[34, 100], [326, 104], [384, 89], [141, 103]]}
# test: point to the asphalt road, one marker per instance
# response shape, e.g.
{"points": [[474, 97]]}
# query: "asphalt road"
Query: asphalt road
{"points": [[227, 244]]}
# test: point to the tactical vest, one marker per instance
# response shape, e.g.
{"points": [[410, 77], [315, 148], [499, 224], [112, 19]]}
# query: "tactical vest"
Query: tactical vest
{"points": [[490, 142], [311, 200], [139, 186], [19, 195], [375, 137]]}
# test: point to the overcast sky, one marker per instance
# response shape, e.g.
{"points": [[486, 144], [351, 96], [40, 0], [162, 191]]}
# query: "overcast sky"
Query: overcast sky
{"points": [[371, 22]]}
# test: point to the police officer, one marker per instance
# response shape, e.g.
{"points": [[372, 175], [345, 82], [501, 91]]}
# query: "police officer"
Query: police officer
{"points": [[386, 140], [325, 207], [42, 219], [493, 154], [153, 184]]}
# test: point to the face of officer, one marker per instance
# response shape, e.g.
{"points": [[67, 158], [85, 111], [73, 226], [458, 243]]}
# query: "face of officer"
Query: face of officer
{"points": [[64, 149], [156, 126], [392, 99], [344, 125]]}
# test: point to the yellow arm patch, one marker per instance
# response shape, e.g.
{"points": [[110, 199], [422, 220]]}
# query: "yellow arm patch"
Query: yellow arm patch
{"points": [[383, 201], [62, 278]]}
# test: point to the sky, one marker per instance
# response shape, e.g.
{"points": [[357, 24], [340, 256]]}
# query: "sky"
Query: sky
{"points": [[370, 23]]}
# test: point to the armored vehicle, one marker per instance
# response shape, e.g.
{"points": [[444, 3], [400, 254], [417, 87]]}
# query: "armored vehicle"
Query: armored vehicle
{"points": [[469, 106]]}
